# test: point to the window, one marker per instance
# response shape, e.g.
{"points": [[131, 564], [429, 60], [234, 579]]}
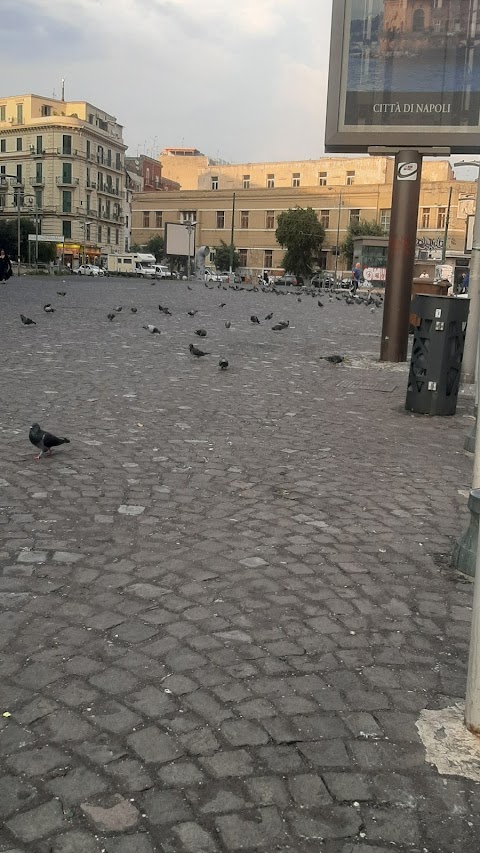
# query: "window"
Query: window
{"points": [[295, 179], [246, 182], [100, 154], [418, 20], [99, 234], [38, 199], [385, 215], [19, 175], [118, 161], [220, 219], [325, 218], [109, 234], [3, 111], [441, 217], [147, 177], [89, 149], [270, 219], [39, 146], [117, 186], [66, 173], [242, 256], [67, 145], [3, 145], [350, 178], [354, 215], [67, 229], [117, 236], [38, 173], [19, 113], [244, 217], [19, 143], [158, 219], [100, 181], [146, 219], [270, 182], [322, 179], [67, 201], [109, 160], [45, 110], [425, 219], [3, 199], [87, 231], [268, 258], [188, 215], [214, 183]]}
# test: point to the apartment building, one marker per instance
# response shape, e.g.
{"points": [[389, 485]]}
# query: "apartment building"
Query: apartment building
{"points": [[64, 160], [341, 197]]}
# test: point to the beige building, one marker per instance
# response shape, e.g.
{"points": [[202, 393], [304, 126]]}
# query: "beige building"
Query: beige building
{"points": [[67, 162], [338, 189]]}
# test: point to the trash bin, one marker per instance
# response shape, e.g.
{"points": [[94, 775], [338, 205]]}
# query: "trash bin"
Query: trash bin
{"points": [[426, 286], [437, 353]]}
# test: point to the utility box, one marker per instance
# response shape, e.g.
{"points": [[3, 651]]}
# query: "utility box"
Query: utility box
{"points": [[437, 353]]}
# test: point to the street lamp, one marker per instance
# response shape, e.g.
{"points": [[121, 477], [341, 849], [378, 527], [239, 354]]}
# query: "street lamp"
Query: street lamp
{"points": [[471, 338], [190, 226], [338, 235]]}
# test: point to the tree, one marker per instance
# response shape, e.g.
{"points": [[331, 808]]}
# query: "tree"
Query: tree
{"points": [[9, 240], [156, 246], [302, 235], [362, 228], [222, 257]]}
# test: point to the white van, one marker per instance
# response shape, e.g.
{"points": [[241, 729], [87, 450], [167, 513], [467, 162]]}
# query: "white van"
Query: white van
{"points": [[161, 271]]}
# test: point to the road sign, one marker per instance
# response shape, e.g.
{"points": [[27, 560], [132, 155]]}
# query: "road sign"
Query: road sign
{"points": [[45, 238]]}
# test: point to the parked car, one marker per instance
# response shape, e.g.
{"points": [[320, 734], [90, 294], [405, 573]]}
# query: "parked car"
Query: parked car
{"points": [[211, 275], [162, 271], [144, 270], [89, 269], [287, 279]]}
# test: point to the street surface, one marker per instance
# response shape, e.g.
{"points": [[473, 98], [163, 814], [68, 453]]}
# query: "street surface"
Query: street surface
{"points": [[226, 602]]}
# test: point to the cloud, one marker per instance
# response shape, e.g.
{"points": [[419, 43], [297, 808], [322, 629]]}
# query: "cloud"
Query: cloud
{"points": [[236, 79]]}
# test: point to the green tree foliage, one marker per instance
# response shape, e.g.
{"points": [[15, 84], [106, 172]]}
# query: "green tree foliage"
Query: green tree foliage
{"points": [[156, 246], [222, 257], [302, 235], [362, 228], [9, 240]]}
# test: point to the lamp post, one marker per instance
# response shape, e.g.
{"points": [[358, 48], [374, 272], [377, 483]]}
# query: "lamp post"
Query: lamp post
{"points": [[190, 227], [338, 235], [471, 338]]}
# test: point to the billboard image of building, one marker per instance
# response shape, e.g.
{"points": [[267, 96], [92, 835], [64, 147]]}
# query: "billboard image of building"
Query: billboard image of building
{"points": [[405, 65]]}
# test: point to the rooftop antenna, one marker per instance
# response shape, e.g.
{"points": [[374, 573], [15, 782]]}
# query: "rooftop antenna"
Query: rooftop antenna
{"points": [[63, 88]]}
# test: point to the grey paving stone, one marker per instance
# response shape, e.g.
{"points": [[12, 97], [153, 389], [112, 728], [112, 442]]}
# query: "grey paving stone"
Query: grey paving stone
{"points": [[132, 843], [154, 746], [331, 822], [164, 807], [309, 791], [130, 775], [37, 823], [228, 763], [266, 831], [14, 794], [76, 785], [116, 815], [73, 842], [243, 733], [181, 774], [39, 761], [267, 791]]}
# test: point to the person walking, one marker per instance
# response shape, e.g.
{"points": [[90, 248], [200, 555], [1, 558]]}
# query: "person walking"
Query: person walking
{"points": [[356, 276], [5, 266]]}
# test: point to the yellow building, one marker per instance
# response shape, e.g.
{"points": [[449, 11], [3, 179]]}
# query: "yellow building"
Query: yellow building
{"points": [[347, 190], [64, 160]]}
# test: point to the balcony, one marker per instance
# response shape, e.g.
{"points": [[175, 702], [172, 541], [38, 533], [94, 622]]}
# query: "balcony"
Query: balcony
{"points": [[72, 153], [35, 153], [62, 181], [91, 185], [108, 189], [37, 181]]}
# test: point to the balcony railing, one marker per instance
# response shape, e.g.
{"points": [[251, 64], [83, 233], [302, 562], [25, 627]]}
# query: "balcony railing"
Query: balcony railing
{"points": [[91, 185], [37, 181], [63, 181], [108, 189], [72, 153]]}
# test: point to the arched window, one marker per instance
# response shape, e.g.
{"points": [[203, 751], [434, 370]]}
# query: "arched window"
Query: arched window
{"points": [[418, 20]]}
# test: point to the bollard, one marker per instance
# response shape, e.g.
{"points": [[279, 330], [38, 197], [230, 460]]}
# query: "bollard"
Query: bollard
{"points": [[469, 443], [465, 552]]}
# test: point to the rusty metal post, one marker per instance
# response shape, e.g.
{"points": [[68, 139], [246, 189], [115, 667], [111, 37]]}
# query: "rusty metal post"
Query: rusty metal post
{"points": [[401, 255]]}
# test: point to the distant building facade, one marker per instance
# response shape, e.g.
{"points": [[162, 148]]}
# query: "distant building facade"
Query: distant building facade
{"points": [[65, 161]]}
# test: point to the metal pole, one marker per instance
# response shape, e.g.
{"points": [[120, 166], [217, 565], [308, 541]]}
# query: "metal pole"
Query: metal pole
{"points": [[472, 699], [401, 255], [18, 233], [232, 235], [447, 223], [471, 337], [338, 235], [36, 239], [189, 227]]}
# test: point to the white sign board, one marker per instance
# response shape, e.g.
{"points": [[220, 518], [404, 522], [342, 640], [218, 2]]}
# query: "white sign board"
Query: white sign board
{"points": [[375, 274], [469, 235], [44, 238], [179, 239]]}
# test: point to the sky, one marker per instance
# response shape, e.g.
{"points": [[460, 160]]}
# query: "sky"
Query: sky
{"points": [[242, 80]]}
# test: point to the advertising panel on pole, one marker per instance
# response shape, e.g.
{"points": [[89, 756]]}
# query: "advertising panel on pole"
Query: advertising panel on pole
{"points": [[179, 239], [404, 74]]}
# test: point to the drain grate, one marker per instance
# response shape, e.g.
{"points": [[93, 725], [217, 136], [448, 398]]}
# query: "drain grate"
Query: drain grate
{"points": [[385, 386]]}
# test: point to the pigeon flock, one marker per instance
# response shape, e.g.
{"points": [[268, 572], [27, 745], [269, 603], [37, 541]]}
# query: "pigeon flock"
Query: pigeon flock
{"points": [[45, 441]]}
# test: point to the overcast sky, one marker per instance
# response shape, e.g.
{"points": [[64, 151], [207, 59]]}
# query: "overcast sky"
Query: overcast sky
{"points": [[239, 79]]}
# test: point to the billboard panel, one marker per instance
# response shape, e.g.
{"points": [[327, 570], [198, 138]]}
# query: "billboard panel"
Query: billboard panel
{"points": [[404, 74], [179, 239]]}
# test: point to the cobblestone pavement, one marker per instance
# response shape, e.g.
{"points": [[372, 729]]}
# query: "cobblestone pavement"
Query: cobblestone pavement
{"points": [[225, 603]]}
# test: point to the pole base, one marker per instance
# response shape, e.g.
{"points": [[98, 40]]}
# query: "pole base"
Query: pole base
{"points": [[464, 557]]}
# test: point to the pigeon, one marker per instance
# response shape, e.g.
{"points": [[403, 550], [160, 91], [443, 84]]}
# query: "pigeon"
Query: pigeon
{"points": [[61, 292], [320, 304], [278, 327], [333, 359], [27, 321], [165, 311], [299, 300], [110, 317], [133, 310], [269, 316], [118, 308], [223, 364], [228, 324], [197, 352], [222, 304], [284, 324], [190, 313], [254, 319], [188, 287], [44, 441], [372, 309], [48, 309], [152, 329], [202, 333]]}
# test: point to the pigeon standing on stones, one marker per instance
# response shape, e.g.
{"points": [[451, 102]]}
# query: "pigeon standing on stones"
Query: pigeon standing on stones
{"points": [[152, 329], [223, 364], [198, 353], [333, 359], [320, 304], [228, 324], [133, 310], [110, 317], [254, 319], [44, 441], [118, 308], [191, 313], [269, 316], [202, 333], [27, 321], [48, 309], [61, 292]]}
